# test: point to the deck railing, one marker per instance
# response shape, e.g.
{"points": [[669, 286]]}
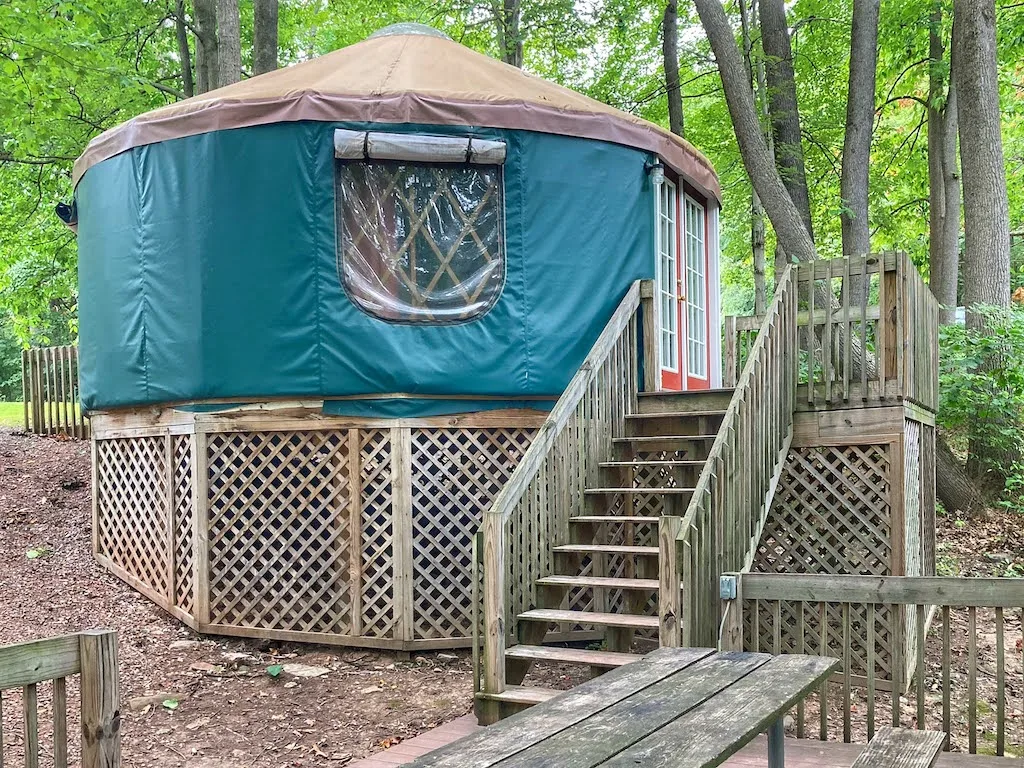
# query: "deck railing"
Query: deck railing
{"points": [[869, 345], [93, 657], [968, 682], [721, 526], [49, 377], [531, 513]]}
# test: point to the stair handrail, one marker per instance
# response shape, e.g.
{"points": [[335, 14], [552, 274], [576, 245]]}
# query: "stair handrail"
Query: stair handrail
{"points": [[547, 487], [720, 528]]}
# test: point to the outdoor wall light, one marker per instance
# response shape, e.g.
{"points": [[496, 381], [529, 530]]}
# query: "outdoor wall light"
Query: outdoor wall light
{"points": [[656, 171]]}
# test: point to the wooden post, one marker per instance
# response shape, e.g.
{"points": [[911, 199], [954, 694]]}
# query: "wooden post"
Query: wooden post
{"points": [[493, 673], [651, 332], [401, 521], [731, 352], [669, 603], [200, 532], [101, 716], [731, 636]]}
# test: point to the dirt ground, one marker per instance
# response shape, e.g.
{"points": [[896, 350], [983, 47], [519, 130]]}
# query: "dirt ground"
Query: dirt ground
{"points": [[210, 702], [228, 712]]}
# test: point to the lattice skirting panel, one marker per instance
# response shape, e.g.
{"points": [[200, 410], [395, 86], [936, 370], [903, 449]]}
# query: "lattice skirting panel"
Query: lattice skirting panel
{"points": [[856, 505], [338, 533]]}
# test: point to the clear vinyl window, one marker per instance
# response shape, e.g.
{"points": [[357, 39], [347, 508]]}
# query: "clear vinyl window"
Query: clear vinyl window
{"points": [[419, 242]]}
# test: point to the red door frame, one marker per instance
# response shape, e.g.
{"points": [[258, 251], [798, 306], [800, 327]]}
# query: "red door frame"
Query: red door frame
{"points": [[672, 380]]}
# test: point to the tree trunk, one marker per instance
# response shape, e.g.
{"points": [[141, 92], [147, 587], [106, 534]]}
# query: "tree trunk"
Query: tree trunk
{"points": [[953, 486], [757, 229], [264, 36], [790, 228], [188, 86], [507, 17], [943, 179], [783, 107], [229, 43], [206, 45], [986, 209], [670, 54], [860, 116]]}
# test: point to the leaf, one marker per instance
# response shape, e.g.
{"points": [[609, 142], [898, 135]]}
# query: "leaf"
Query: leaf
{"points": [[275, 669], [171, 704], [37, 552]]}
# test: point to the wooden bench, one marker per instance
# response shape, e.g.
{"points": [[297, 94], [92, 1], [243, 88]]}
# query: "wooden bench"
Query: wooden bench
{"points": [[902, 748]]}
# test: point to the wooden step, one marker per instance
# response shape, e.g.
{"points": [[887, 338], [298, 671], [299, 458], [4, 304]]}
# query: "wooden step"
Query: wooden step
{"points": [[654, 490], [676, 415], [571, 655], [599, 582], [638, 519], [684, 402], [662, 439], [558, 616], [662, 463], [605, 549], [521, 694]]}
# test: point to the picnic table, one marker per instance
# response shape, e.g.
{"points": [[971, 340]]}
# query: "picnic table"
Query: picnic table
{"points": [[680, 707]]}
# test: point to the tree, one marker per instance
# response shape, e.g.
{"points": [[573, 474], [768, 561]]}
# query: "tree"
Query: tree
{"points": [[986, 208], [670, 55], [207, 56], [229, 43], [181, 33], [860, 116], [264, 37], [783, 107], [757, 228], [790, 227], [507, 18], [943, 175]]}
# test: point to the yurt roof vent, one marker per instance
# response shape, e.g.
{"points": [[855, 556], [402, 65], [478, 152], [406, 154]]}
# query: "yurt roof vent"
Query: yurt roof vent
{"points": [[408, 28]]}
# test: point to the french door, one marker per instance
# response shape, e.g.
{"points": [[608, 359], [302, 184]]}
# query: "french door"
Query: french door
{"points": [[682, 289]]}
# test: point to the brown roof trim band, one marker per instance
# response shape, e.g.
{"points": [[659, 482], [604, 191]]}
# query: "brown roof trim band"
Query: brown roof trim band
{"points": [[219, 115]]}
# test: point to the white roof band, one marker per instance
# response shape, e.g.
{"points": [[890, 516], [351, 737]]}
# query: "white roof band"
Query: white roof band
{"points": [[417, 148]]}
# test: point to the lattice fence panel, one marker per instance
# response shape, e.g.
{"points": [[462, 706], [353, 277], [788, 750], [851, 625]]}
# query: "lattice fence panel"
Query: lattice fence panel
{"points": [[456, 473], [830, 513], [279, 530], [378, 611], [132, 507], [181, 488]]}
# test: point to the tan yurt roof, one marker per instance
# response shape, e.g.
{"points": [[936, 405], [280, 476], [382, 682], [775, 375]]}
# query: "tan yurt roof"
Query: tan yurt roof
{"points": [[403, 77]]}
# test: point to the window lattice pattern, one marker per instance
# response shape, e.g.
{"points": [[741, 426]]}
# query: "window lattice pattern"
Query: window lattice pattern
{"points": [[421, 243]]}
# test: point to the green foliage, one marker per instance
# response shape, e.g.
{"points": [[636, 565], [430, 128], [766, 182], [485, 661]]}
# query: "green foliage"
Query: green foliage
{"points": [[981, 384]]}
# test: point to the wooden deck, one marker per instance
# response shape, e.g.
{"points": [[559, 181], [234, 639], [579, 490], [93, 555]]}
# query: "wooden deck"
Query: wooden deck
{"points": [[800, 753]]}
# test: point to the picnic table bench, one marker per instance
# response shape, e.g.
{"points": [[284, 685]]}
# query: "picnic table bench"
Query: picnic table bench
{"points": [[902, 747], [681, 707]]}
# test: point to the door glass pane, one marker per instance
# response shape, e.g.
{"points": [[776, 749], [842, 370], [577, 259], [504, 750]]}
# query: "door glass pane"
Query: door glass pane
{"points": [[696, 286], [667, 258]]}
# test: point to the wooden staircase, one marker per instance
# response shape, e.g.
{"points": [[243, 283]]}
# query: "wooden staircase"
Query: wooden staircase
{"points": [[613, 555]]}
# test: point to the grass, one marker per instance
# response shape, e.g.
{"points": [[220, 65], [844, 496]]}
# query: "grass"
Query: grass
{"points": [[12, 415]]}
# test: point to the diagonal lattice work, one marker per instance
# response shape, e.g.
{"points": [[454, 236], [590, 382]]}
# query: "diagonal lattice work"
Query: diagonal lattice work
{"points": [[456, 474], [333, 533], [184, 551], [830, 513], [131, 509], [279, 531]]}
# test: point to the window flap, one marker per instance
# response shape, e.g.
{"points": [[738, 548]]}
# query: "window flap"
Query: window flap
{"points": [[417, 148]]}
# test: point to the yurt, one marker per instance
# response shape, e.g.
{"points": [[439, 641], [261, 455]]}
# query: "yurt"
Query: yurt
{"points": [[324, 311]]}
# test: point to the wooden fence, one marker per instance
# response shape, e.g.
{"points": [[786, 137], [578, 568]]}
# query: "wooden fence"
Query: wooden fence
{"points": [[967, 682], [49, 377], [92, 656], [531, 514], [722, 524], [868, 334]]}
